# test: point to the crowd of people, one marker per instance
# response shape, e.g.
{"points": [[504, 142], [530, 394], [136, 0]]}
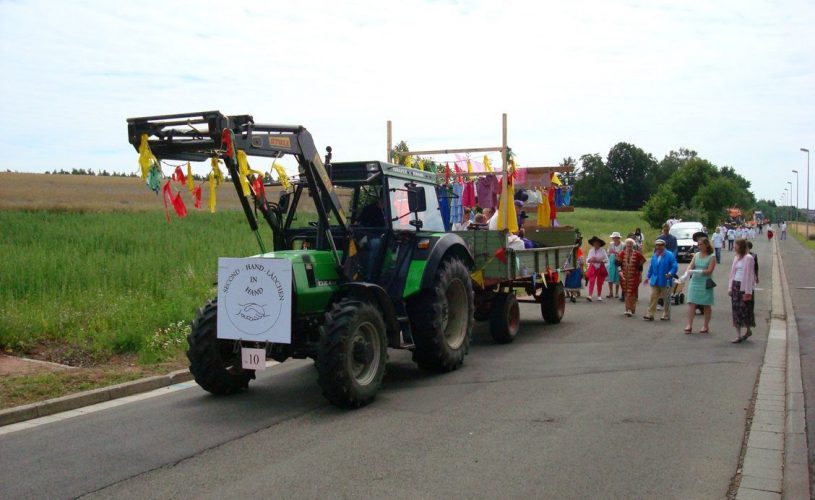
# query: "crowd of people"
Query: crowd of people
{"points": [[621, 264]]}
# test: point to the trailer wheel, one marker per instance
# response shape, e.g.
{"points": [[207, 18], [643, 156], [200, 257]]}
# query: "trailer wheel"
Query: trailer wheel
{"points": [[214, 363], [553, 303], [505, 318], [352, 354], [441, 318]]}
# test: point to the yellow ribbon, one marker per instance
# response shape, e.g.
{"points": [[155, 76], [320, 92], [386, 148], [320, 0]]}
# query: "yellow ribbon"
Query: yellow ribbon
{"points": [[212, 188], [146, 157], [469, 166], [282, 177], [190, 184], [243, 172], [216, 169]]}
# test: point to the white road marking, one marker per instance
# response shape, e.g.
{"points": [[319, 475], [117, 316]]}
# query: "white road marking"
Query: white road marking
{"points": [[113, 403]]}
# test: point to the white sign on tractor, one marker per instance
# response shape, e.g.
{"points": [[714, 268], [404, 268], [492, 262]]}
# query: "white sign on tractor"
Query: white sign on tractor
{"points": [[254, 299]]}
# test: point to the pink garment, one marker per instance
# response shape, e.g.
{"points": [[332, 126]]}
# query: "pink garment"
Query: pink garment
{"points": [[487, 189], [520, 176], [468, 196], [749, 280], [596, 276]]}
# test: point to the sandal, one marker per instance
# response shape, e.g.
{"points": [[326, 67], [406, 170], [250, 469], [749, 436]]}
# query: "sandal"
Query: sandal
{"points": [[705, 330], [689, 330], [737, 341], [747, 334], [648, 318]]}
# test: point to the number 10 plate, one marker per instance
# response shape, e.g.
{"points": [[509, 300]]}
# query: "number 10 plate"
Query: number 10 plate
{"points": [[253, 359]]}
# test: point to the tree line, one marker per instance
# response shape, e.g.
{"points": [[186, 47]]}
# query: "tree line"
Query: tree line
{"points": [[682, 185]]}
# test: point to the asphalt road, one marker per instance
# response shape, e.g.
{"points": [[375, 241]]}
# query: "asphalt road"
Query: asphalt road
{"points": [[600, 406]]}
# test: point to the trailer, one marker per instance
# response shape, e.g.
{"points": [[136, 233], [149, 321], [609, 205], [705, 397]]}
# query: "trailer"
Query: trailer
{"points": [[503, 274]]}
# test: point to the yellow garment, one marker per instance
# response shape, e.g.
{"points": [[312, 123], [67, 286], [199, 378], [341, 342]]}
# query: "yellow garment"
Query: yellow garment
{"points": [[469, 166], [507, 217], [478, 277], [190, 184], [146, 157], [487, 164], [281, 176], [212, 191], [556, 180], [409, 161], [544, 210], [421, 164]]}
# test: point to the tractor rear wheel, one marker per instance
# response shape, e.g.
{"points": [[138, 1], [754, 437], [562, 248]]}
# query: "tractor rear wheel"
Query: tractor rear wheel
{"points": [[441, 318], [553, 303], [353, 352], [505, 318], [214, 362]]}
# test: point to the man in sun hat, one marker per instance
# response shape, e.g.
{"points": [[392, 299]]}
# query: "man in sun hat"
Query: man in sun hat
{"points": [[660, 274]]}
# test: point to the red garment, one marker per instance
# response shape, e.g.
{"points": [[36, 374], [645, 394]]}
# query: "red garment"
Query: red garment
{"points": [[468, 196], [552, 206]]}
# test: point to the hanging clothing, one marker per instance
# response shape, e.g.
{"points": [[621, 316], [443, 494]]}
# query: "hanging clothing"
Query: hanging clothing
{"points": [[444, 205], [552, 206], [567, 196], [456, 210], [468, 196], [543, 211], [487, 190], [558, 197]]}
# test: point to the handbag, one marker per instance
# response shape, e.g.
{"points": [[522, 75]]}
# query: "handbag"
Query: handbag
{"points": [[710, 283]]}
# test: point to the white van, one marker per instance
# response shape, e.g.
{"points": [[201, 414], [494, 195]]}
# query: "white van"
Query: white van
{"points": [[683, 232]]}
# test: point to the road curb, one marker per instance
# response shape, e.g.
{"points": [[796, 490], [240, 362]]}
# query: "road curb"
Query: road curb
{"points": [[87, 398], [775, 462]]}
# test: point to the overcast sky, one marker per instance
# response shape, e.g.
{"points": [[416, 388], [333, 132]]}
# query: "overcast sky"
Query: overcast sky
{"points": [[732, 80]]}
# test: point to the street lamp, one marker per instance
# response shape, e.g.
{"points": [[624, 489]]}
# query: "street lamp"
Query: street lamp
{"points": [[790, 188], [796, 193], [807, 152]]}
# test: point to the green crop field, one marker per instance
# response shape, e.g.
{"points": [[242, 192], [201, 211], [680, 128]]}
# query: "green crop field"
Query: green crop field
{"points": [[96, 279], [105, 283]]}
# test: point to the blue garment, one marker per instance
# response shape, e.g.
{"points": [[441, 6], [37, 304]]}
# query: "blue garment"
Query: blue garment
{"points": [[558, 197], [660, 268], [444, 205], [456, 210], [567, 196]]}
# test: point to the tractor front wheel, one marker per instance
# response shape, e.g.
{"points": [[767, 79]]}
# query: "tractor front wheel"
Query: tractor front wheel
{"points": [[353, 352], [441, 318], [214, 363]]}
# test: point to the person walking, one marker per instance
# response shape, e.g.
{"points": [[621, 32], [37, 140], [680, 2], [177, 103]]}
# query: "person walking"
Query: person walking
{"points": [[660, 274], [638, 238], [718, 243], [671, 244], [740, 287], [700, 293], [574, 277], [596, 267], [631, 261], [614, 249], [784, 230], [731, 238]]}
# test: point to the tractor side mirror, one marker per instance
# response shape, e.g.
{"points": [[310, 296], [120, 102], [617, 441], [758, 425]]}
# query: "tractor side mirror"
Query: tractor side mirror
{"points": [[283, 202], [417, 201]]}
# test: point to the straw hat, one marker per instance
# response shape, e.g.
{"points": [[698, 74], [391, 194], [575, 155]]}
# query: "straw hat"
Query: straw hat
{"points": [[615, 234]]}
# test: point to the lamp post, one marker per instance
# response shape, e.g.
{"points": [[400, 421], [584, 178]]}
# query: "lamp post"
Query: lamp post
{"points": [[807, 152], [790, 200], [796, 193]]}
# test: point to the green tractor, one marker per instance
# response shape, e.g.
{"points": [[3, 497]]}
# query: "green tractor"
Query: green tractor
{"points": [[375, 270]]}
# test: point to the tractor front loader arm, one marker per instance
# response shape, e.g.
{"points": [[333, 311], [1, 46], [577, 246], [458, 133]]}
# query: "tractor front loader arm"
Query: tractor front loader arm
{"points": [[199, 136]]}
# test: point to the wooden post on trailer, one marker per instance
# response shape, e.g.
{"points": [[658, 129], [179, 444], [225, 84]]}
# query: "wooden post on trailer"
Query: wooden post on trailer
{"points": [[390, 142]]}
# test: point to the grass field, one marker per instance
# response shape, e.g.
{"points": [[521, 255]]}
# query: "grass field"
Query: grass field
{"points": [[88, 276], [593, 221]]}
